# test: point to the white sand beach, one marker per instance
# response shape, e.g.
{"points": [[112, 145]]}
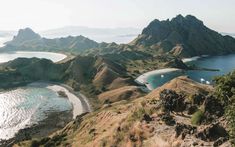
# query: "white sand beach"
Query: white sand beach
{"points": [[185, 60], [78, 106], [142, 79]]}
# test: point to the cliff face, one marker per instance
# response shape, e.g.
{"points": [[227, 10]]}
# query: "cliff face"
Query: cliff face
{"points": [[184, 36]]}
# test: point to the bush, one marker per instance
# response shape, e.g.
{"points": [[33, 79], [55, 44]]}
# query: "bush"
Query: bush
{"points": [[225, 93], [171, 101], [225, 87], [196, 99], [197, 117]]}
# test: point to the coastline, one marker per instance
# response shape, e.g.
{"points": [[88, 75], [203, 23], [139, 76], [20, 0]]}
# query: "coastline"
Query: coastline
{"points": [[79, 102], [142, 79], [185, 60], [74, 100], [55, 57], [45, 127]]}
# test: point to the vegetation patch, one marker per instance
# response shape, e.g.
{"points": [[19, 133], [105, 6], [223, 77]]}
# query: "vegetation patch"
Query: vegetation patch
{"points": [[197, 117]]}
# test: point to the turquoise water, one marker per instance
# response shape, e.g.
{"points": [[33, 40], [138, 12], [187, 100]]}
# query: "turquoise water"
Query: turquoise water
{"points": [[55, 57], [26, 106], [225, 64]]}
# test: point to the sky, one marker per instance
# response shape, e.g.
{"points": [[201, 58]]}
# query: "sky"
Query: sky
{"points": [[48, 14]]}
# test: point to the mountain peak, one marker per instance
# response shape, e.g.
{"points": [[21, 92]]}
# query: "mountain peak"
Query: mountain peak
{"points": [[24, 35], [187, 19], [189, 32], [179, 16], [161, 28], [27, 34]]}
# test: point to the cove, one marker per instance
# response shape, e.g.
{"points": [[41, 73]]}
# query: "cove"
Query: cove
{"points": [[7, 56], [224, 64]]}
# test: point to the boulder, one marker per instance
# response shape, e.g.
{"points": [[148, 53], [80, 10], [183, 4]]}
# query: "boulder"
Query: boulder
{"points": [[183, 130], [167, 118]]}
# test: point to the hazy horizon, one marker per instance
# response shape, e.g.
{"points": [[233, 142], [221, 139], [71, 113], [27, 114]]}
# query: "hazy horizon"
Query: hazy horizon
{"points": [[51, 14]]}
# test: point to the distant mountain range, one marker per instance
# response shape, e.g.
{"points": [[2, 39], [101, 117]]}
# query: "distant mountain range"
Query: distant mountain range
{"points": [[180, 36], [118, 35], [28, 40]]}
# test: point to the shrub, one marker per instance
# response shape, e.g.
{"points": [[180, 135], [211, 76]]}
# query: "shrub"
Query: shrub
{"points": [[225, 87], [225, 93], [171, 101], [197, 117], [138, 114]]}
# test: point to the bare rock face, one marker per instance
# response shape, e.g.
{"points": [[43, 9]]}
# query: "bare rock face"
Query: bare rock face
{"points": [[172, 101], [147, 118], [168, 119], [183, 130]]}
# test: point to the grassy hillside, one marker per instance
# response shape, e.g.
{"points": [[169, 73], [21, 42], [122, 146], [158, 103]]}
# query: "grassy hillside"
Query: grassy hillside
{"points": [[173, 117], [90, 75]]}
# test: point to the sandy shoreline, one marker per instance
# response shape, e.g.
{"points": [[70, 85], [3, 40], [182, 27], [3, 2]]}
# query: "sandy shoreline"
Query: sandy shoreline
{"points": [[74, 100], [185, 60], [142, 79], [79, 103]]}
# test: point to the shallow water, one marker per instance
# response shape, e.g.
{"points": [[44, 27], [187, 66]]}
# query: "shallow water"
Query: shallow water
{"points": [[55, 57], [26, 106], [225, 64]]}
